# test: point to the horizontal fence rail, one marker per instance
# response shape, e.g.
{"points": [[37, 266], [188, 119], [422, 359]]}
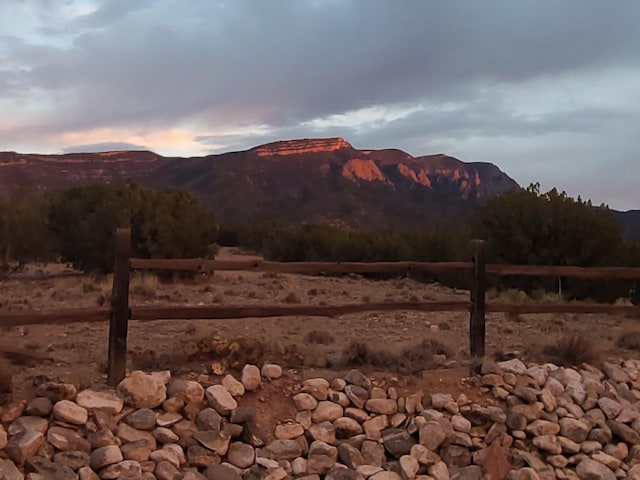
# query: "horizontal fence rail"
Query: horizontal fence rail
{"points": [[201, 265], [628, 273], [563, 308], [20, 318], [263, 311], [198, 265]]}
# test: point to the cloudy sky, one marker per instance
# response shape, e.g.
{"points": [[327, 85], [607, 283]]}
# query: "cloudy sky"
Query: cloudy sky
{"points": [[549, 90]]}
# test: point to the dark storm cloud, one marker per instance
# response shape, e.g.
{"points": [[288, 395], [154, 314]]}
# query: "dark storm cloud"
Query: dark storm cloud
{"points": [[493, 80], [251, 62]]}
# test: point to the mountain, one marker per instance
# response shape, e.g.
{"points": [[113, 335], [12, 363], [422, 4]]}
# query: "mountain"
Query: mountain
{"points": [[309, 180], [47, 172]]}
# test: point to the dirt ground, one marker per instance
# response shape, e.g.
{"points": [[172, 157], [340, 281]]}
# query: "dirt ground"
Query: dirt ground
{"points": [[77, 352]]}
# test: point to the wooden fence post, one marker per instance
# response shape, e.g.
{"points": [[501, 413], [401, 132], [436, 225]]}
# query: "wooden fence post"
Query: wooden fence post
{"points": [[477, 320], [119, 317]]}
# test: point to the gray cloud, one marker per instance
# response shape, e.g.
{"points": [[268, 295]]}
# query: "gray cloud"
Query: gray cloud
{"points": [[103, 147], [510, 82]]}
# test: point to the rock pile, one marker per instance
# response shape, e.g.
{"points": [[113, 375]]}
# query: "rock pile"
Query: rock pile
{"points": [[534, 422]]}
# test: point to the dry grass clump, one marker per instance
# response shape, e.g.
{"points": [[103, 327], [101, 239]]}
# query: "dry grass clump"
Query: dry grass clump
{"points": [[6, 375], [292, 297], [218, 298], [67, 287], [574, 349], [318, 337], [205, 345], [629, 339], [81, 377], [513, 295], [411, 360], [544, 296], [315, 357], [144, 284]]}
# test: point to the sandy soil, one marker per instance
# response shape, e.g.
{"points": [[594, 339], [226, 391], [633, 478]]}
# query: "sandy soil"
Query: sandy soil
{"points": [[78, 352]]}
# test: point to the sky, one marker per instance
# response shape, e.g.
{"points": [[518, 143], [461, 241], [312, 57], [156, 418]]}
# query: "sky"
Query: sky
{"points": [[548, 90]]}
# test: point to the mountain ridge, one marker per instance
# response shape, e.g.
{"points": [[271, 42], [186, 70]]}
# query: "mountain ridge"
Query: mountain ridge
{"points": [[301, 180]]}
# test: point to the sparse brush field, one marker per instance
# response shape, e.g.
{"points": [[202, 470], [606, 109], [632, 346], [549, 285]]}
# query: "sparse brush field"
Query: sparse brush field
{"points": [[400, 342]]}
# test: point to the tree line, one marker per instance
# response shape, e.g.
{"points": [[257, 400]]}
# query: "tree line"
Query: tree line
{"points": [[77, 225], [524, 226]]}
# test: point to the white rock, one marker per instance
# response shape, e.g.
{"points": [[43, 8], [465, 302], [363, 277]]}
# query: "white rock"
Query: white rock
{"points": [[188, 390], [9, 471], [318, 387], [124, 469], [589, 469], [251, 378], [100, 400], [408, 467], [24, 445], [513, 366], [610, 407], [104, 456], [305, 401], [288, 431], [164, 455], [220, 399], [241, 455], [141, 390], [70, 412], [299, 466], [439, 471], [461, 424], [235, 387], [271, 371], [327, 411]]}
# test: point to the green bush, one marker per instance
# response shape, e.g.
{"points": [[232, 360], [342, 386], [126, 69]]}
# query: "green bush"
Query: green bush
{"points": [[164, 224]]}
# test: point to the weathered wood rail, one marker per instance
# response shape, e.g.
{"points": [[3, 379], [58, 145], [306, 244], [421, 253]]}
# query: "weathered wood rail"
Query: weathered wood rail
{"points": [[120, 312]]}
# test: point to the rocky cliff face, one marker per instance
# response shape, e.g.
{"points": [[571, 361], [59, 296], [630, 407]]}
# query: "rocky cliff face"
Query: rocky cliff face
{"points": [[298, 147], [309, 180], [435, 172]]}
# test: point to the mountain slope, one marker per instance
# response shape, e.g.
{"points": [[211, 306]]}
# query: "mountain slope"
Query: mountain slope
{"points": [[310, 180], [329, 181]]}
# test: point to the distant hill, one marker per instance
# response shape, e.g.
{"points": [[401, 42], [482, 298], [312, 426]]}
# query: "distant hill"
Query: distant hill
{"points": [[310, 180], [630, 223]]}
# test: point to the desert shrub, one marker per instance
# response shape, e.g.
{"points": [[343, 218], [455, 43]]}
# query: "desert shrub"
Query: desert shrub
{"points": [[170, 223], [218, 298], [320, 337], [629, 339], [513, 295], [292, 297], [526, 226], [24, 235], [574, 349], [315, 357], [144, 284], [410, 360]]}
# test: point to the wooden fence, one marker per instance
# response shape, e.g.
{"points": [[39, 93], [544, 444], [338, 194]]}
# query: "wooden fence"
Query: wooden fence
{"points": [[121, 312]]}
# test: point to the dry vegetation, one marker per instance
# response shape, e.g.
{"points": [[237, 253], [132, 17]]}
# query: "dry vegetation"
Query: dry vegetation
{"points": [[573, 349], [413, 359], [402, 341], [629, 339]]}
